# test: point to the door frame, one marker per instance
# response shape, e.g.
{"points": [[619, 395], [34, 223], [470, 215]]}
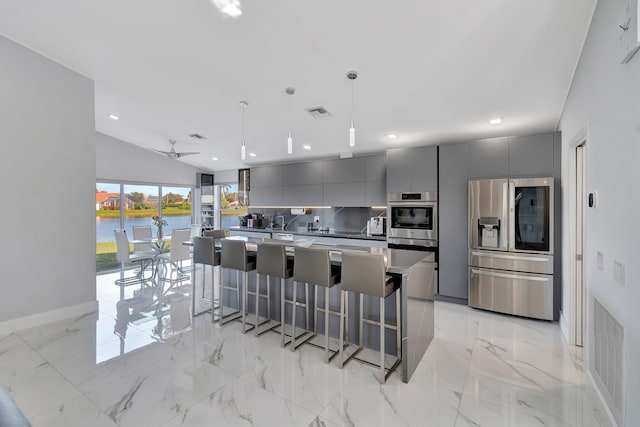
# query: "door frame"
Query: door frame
{"points": [[576, 318]]}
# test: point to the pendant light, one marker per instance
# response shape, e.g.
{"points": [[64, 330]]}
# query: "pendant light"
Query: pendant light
{"points": [[290, 91], [352, 75], [243, 148]]}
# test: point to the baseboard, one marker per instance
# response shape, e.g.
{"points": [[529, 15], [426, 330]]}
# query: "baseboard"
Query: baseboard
{"points": [[454, 300], [564, 328], [40, 319], [605, 416]]}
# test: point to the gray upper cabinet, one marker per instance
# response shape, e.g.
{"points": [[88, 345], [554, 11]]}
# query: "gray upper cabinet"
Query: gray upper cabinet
{"points": [[266, 176], [375, 193], [266, 196], [398, 172], [303, 173], [302, 195], [412, 169], [375, 168], [344, 170], [453, 235], [344, 194], [531, 155], [424, 169], [488, 158]]}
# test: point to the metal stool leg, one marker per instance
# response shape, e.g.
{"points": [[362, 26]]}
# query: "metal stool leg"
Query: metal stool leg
{"points": [[382, 349], [326, 324], [282, 311], [342, 325], [293, 315]]}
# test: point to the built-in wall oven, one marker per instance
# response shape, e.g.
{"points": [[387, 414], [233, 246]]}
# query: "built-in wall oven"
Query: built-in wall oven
{"points": [[412, 220]]}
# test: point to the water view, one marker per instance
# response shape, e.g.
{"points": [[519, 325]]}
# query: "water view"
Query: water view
{"points": [[105, 226]]}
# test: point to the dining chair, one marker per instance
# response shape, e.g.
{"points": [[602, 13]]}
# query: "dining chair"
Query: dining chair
{"points": [[124, 256], [142, 232], [178, 253]]}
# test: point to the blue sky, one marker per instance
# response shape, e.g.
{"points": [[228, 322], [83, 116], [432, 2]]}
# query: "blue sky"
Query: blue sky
{"points": [[144, 189]]}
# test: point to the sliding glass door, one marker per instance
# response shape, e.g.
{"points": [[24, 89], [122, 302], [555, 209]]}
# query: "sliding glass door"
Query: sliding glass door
{"points": [[127, 205]]}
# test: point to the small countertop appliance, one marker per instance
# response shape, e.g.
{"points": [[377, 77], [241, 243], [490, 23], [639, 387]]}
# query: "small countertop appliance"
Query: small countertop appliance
{"points": [[377, 226]]}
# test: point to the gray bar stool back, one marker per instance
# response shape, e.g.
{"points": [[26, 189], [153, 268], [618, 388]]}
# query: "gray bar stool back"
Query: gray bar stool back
{"points": [[204, 252], [234, 256], [366, 274], [272, 262], [313, 266]]}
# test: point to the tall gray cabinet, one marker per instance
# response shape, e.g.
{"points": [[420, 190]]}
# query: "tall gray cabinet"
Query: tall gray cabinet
{"points": [[412, 169], [526, 156]]}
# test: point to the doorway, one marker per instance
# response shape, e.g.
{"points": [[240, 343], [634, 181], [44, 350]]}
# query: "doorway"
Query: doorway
{"points": [[578, 243]]}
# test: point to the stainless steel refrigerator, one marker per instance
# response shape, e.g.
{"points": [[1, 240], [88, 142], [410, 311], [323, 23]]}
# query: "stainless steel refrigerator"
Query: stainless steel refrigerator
{"points": [[511, 246]]}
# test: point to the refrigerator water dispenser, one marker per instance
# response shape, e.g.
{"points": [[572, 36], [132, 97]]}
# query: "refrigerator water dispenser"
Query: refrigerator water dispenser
{"points": [[489, 232]]}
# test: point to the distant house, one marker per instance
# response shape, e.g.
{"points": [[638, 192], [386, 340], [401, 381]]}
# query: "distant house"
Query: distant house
{"points": [[111, 201], [150, 201]]}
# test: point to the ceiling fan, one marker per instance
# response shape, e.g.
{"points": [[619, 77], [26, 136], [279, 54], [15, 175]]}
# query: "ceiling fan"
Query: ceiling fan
{"points": [[172, 154]]}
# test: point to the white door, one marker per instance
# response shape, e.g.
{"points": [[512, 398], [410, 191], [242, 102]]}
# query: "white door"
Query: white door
{"points": [[579, 243]]}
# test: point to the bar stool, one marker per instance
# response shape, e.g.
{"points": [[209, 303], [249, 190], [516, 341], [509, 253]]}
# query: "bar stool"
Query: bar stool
{"points": [[234, 256], [204, 252], [272, 262], [313, 266], [365, 274]]}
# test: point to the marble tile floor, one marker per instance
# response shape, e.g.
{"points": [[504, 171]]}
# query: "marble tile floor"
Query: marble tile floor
{"points": [[138, 362]]}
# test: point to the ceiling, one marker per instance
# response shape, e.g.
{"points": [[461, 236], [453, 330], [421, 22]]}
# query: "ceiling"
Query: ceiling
{"points": [[430, 71]]}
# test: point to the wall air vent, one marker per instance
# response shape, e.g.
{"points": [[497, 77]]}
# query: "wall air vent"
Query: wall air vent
{"points": [[608, 362], [318, 112], [197, 136]]}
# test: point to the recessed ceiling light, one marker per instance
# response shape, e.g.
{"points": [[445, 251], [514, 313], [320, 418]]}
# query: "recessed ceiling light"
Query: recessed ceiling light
{"points": [[252, 154], [306, 147], [495, 121], [114, 117], [392, 136], [214, 158]]}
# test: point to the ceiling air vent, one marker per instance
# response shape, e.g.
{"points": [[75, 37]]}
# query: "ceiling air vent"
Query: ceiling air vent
{"points": [[197, 136], [318, 112]]}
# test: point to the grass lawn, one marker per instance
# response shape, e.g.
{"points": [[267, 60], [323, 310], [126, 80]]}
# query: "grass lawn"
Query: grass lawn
{"points": [[143, 213], [106, 257]]}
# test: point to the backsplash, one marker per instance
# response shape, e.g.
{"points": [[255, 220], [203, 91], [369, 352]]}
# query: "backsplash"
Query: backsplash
{"points": [[337, 219]]}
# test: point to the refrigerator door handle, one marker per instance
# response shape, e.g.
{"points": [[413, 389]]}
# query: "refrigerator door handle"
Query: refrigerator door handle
{"points": [[516, 257], [510, 276], [512, 216], [505, 221]]}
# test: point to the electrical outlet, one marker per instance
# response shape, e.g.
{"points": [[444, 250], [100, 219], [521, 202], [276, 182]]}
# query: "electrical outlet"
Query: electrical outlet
{"points": [[618, 272], [600, 261], [316, 218]]}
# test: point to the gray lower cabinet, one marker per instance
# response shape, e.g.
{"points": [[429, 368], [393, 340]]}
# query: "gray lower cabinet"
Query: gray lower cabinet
{"points": [[302, 195], [266, 196], [453, 235], [344, 194], [531, 155]]}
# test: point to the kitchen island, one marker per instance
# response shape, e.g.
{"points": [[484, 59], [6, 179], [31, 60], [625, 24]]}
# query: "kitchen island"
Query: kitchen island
{"points": [[414, 270]]}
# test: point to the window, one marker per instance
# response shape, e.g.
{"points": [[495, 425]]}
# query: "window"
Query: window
{"points": [[229, 206], [125, 205]]}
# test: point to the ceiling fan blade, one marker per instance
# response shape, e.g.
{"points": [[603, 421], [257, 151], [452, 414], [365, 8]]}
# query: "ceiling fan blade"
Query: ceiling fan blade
{"points": [[166, 153], [186, 154]]}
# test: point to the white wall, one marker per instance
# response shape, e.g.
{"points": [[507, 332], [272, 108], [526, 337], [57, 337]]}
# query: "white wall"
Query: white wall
{"points": [[119, 160], [47, 169], [605, 99]]}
